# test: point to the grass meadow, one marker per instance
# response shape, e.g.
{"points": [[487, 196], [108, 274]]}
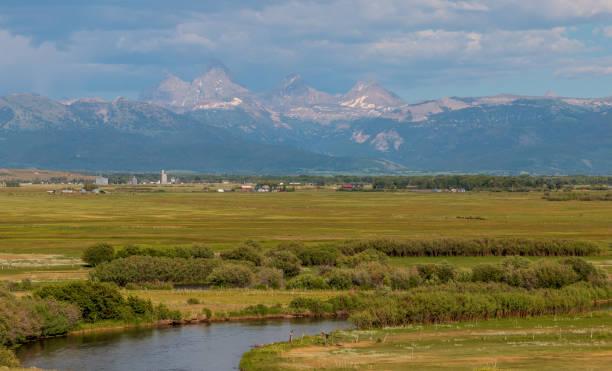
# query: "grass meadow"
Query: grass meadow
{"points": [[53, 228], [33, 221], [569, 342]]}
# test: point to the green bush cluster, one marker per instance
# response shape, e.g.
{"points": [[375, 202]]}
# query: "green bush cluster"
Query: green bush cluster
{"points": [[138, 269], [369, 255], [195, 251], [473, 247], [250, 251], [100, 301], [231, 275], [29, 317], [578, 196], [452, 302], [520, 272], [285, 261], [472, 301], [318, 255], [272, 278], [97, 301], [98, 253]]}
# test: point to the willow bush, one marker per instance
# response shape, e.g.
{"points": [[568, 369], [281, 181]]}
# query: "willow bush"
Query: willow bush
{"points": [[138, 269], [473, 247]]}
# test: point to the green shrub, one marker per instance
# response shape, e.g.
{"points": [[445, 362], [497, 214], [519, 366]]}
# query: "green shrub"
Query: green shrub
{"points": [[195, 251], [7, 358], [366, 256], [270, 278], [162, 312], [474, 247], [585, 270], [400, 279], [231, 275], [285, 261], [314, 306], [340, 279], [318, 255], [29, 318], [201, 252], [487, 273], [442, 272], [207, 312], [98, 301], [551, 275], [98, 253], [307, 282], [250, 251], [193, 301], [141, 269]]}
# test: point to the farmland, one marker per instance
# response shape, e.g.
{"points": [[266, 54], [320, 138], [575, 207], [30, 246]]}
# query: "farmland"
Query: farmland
{"points": [[35, 222]]}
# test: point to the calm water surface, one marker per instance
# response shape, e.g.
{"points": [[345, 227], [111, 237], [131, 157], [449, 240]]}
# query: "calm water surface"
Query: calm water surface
{"points": [[218, 346]]}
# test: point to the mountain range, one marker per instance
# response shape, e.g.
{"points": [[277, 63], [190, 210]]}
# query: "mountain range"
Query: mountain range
{"points": [[213, 124]]}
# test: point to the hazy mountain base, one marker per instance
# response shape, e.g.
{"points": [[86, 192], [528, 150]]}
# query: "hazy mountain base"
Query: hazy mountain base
{"points": [[545, 136], [202, 149], [535, 136]]}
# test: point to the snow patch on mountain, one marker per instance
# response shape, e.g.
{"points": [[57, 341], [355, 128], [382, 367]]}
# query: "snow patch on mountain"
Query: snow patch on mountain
{"points": [[387, 139]]}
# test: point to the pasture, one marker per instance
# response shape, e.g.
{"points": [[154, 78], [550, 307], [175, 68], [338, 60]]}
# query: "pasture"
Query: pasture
{"points": [[33, 221], [569, 342]]}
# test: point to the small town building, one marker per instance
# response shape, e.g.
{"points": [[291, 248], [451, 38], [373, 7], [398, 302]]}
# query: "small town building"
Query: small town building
{"points": [[101, 180]]}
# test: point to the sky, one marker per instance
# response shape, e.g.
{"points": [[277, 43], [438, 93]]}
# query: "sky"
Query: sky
{"points": [[419, 49]]}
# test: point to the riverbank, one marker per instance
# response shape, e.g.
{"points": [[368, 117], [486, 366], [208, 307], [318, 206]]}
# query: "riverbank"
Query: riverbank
{"points": [[201, 319], [576, 341]]}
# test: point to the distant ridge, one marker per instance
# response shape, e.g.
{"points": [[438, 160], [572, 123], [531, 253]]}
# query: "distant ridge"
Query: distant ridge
{"points": [[214, 124]]}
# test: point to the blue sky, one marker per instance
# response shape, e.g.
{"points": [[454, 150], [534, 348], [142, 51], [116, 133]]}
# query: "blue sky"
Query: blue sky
{"points": [[419, 49]]}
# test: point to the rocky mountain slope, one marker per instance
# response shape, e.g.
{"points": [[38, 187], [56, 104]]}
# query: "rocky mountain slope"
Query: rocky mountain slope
{"points": [[215, 124]]}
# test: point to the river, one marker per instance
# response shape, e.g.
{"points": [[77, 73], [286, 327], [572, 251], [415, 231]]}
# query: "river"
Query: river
{"points": [[217, 346]]}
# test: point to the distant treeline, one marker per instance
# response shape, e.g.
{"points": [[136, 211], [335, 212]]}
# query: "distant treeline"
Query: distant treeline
{"points": [[473, 247], [467, 182], [578, 196]]}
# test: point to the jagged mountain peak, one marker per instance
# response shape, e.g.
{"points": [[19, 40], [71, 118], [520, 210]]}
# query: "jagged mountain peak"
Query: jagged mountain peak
{"points": [[369, 95], [294, 92]]}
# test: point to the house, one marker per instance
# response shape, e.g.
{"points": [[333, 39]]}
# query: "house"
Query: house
{"points": [[246, 188], [134, 181], [101, 180]]}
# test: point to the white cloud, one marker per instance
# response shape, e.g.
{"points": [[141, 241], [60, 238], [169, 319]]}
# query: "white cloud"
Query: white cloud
{"points": [[585, 68], [471, 46], [19, 50]]}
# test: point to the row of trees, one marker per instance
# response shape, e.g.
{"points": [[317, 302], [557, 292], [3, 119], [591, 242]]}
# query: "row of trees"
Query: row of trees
{"points": [[469, 182], [473, 247], [369, 269]]}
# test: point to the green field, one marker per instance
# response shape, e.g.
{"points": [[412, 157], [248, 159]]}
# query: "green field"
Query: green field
{"points": [[570, 342], [42, 236], [35, 222]]}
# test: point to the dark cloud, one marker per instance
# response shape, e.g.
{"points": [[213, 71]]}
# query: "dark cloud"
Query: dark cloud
{"points": [[70, 47]]}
